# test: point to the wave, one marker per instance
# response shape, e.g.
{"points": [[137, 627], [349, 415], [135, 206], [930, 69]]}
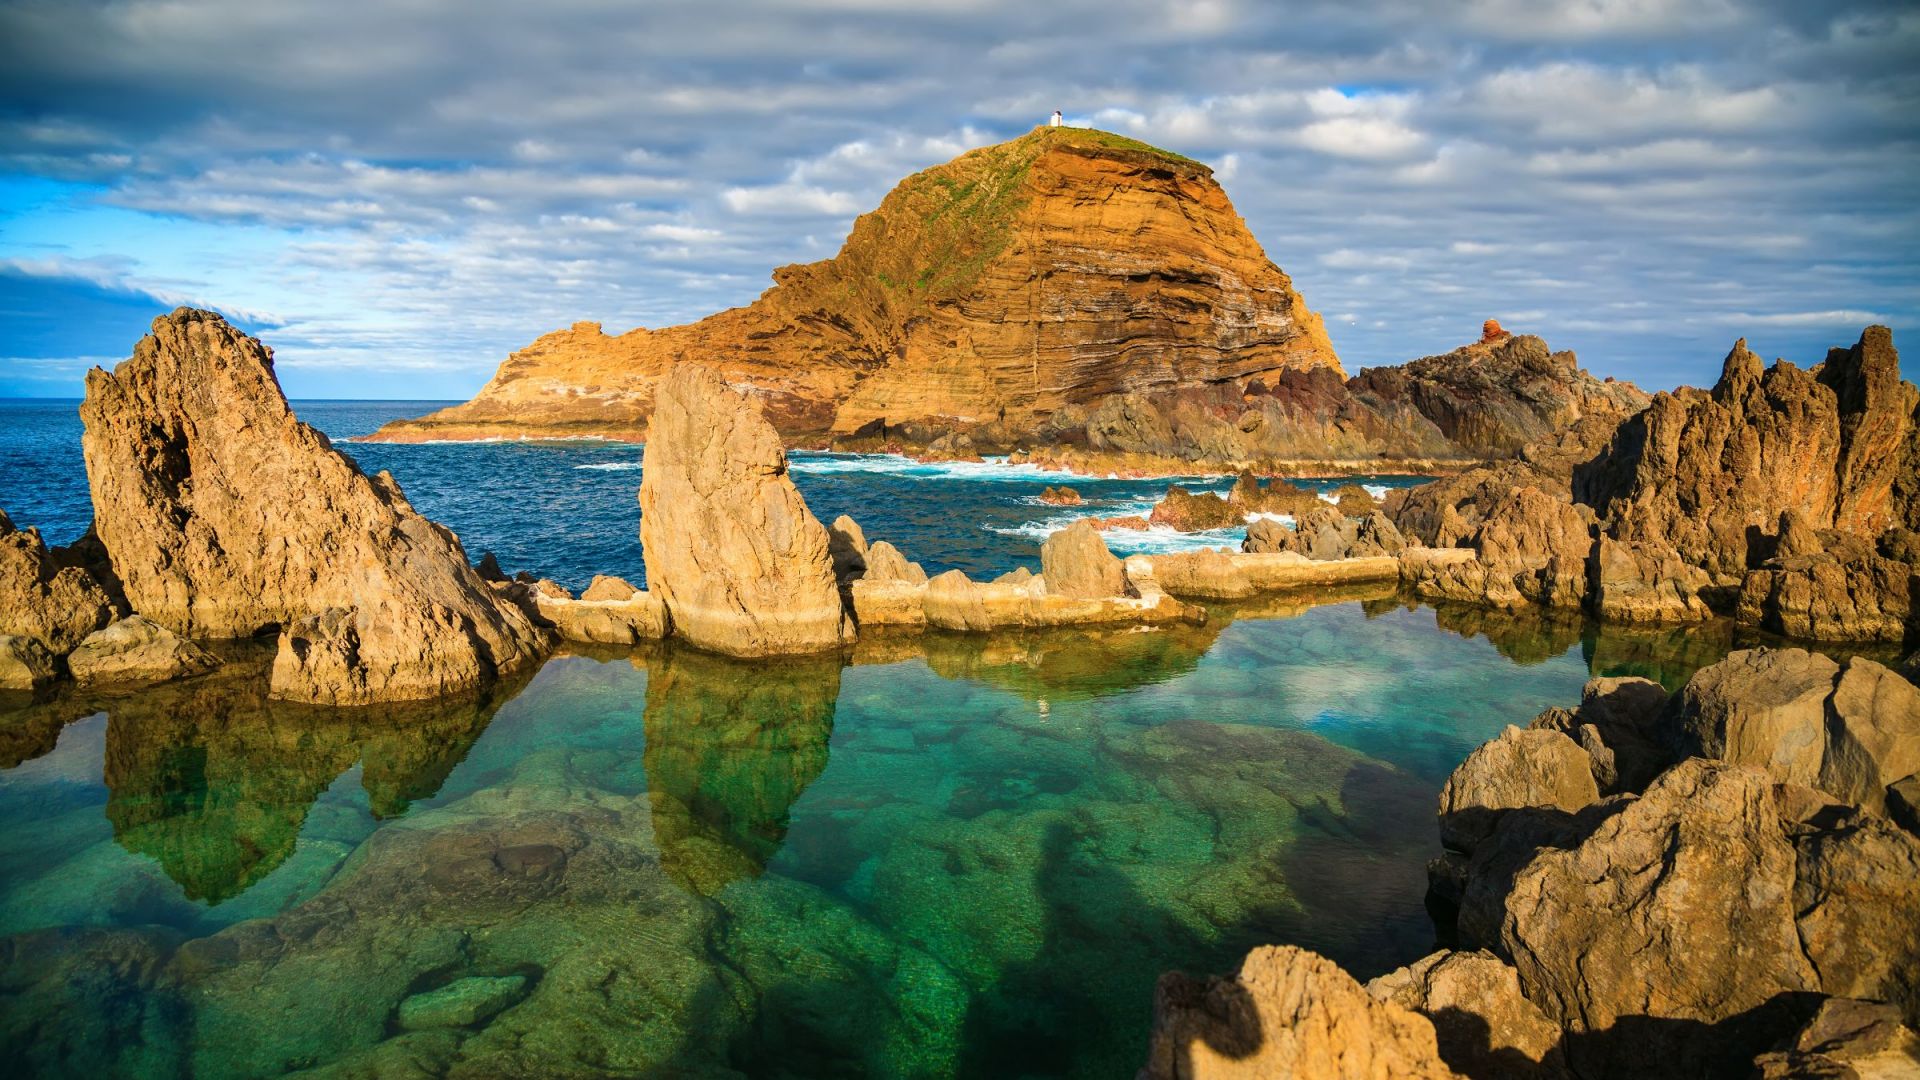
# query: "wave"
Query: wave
{"points": [[612, 466], [993, 469], [1378, 491], [1152, 540]]}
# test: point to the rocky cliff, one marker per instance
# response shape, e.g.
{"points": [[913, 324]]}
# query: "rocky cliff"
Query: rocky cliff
{"points": [[1061, 268]]}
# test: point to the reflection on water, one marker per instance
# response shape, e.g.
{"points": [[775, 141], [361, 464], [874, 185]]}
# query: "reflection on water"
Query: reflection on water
{"points": [[945, 855]]}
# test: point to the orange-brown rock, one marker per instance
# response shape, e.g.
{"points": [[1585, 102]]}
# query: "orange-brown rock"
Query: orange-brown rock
{"points": [[731, 549], [1491, 331], [224, 515], [1063, 267], [56, 606]]}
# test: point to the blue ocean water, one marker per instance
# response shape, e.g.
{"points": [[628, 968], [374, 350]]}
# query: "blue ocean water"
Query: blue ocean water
{"points": [[568, 510]]}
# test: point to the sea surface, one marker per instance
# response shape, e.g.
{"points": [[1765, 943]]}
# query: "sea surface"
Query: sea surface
{"points": [[938, 855]]}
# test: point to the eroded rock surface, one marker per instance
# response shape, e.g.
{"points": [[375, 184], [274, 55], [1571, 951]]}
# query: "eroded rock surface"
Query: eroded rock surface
{"points": [[42, 600], [731, 549], [136, 650], [1484, 1027], [224, 515]]}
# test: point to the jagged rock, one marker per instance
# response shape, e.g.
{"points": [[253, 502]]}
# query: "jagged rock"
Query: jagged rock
{"points": [[1664, 940], [1266, 536], [848, 546], [885, 563], [1182, 510], [1075, 562], [25, 663], [892, 591], [1532, 768], [730, 546], [1484, 1028], [1536, 545], [1709, 473], [136, 650], [225, 515], [605, 587], [1287, 1012], [1061, 496], [1849, 731], [1831, 588], [1375, 534], [489, 568], [927, 313], [1857, 894], [1645, 582], [1847, 1039], [1619, 725], [1354, 500], [39, 599], [1903, 803], [1325, 534]]}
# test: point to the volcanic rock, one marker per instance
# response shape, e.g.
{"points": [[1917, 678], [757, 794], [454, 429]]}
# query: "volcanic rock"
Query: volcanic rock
{"points": [[224, 515], [638, 616], [1287, 1012], [1531, 768], [1062, 267], [1061, 496], [40, 599], [1182, 510], [136, 650], [1857, 893], [848, 546], [1645, 581], [1829, 585], [1482, 1024], [1620, 724], [1847, 1039], [743, 567], [1076, 562], [604, 587], [25, 663]]}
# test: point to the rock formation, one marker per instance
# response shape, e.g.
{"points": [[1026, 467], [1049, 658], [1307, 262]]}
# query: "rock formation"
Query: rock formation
{"points": [[136, 650], [43, 601], [1483, 1025], [1061, 268], [1075, 562], [731, 549], [225, 516]]}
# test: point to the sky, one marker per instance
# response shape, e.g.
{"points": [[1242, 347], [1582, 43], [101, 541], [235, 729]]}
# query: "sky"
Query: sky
{"points": [[395, 195]]}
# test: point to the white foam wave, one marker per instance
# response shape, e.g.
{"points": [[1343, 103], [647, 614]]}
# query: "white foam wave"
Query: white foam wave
{"points": [[993, 469], [612, 466], [1378, 491], [1152, 540]]}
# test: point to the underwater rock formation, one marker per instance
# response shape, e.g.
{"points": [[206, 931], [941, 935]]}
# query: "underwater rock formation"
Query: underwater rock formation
{"points": [[225, 516], [731, 549]]}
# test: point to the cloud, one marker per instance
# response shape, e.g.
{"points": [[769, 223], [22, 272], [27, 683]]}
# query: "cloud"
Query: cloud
{"points": [[423, 187]]}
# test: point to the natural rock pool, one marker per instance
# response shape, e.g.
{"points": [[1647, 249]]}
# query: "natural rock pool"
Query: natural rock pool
{"points": [[937, 855]]}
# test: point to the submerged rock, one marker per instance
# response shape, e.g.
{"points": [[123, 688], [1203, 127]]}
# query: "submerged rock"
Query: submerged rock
{"points": [[226, 516], [462, 1002], [741, 564], [137, 650], [1287, 1012]]}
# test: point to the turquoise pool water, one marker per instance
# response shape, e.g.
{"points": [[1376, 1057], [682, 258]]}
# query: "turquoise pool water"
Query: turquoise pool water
{"points": [[937, 856]]}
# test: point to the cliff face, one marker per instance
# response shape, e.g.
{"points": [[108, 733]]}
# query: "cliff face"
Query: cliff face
{"points": [[1061, 268]]}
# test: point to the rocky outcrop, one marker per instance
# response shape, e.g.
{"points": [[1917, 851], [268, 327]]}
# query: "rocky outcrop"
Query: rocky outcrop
{"points": [[25, 663], [225, 516], [1848, 1039], [731, 549], [136, 650], [1075, 562], [1483, 1025], [1220, 575], [1287, 1012], [604, 619], [1062, 268], [1532, 768], [1851, 731], [1621, 725], [1531, 549], [1022, 600], [1830, 585], [42, 600], [891, 591]]}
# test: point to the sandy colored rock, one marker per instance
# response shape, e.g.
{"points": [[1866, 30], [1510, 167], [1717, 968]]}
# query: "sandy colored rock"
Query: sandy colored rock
{"points": [[1645, 582], [731, 549], [224, 514], [1061, 496], [847, 543], [1847, 1039], [1620, 725], [39, 599], [886, 563], [1830, 585], [1076, 562], [930, 311], [1872, 734], [1219, 575], [1763, 707], [25, 663], [136, 650], [1535, 767], [1679, 906], [1024, 601], [1482, 1024], [638, 617], [1857, 894], [1286, 1013], [604, 587]]}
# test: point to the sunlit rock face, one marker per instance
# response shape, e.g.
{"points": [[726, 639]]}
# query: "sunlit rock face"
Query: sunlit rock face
{"points": [[1061, 267], [741, 564], [224, 515]]}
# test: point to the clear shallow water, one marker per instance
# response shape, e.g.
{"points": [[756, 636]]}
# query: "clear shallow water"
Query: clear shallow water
{"points": [[941, 855], [936, 856], [567, 510]]}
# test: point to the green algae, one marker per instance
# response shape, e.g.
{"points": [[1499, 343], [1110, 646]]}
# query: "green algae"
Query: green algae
{"points": [[956, 856]]}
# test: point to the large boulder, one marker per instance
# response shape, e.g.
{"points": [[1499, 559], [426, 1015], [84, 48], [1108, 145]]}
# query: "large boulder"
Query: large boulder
{"points": [[1664, 941], [1619, 723], [1846, 1039], [743, 567], [1286, 1013], [1532, 768], [136, 650], [25, 663], [1075, 562], [1857, 894], [225, 516], [1645, 581], [40, 599], [1484, 1027]]}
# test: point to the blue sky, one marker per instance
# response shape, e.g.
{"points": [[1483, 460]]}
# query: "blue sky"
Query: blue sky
{"points": [[396, 195]]}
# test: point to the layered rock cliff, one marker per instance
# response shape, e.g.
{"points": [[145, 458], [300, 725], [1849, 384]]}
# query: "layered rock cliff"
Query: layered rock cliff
{"points": [[225, 516], [1061, 268]]}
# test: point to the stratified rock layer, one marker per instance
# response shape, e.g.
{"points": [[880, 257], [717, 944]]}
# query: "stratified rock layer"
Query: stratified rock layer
{"points": [[1062, 267], [224, 516], [731, 549]]}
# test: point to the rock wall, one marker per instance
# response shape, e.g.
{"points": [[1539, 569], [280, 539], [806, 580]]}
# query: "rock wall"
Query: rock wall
{"points": [[224, 516]]}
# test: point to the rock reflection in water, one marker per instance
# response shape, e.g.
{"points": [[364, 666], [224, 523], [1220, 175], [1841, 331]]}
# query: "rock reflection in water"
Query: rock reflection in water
{"points": [[730, 744]]}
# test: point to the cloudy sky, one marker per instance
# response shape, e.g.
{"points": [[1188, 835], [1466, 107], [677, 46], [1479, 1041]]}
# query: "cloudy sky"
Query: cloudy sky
{"points": [[397, 194]]}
